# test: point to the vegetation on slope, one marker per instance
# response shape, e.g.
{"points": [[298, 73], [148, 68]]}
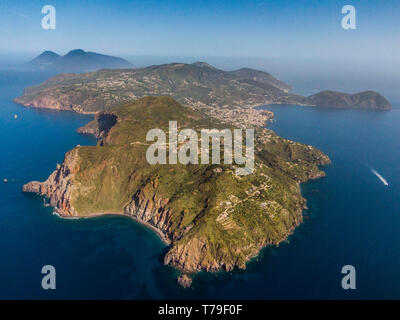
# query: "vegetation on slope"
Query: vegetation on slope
{"points": [[212, 218]]}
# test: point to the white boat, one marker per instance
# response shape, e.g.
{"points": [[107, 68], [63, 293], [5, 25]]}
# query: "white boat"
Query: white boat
{"points": [[384, 181]]}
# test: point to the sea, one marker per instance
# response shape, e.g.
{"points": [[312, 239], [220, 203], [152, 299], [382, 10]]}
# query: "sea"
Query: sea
{"points": [[353, 218]]}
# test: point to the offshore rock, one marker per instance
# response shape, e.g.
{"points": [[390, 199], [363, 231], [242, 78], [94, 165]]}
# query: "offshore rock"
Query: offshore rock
{"points": [[185, 281]]}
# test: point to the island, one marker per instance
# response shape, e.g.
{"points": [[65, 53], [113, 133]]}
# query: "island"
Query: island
{"points": [[76, 60], [225, 95], [229, 96], [209, 217]]}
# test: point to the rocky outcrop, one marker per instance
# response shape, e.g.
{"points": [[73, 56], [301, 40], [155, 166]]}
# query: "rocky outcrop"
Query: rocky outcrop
{"points": [[100, 126], [193, 256], [185, 281], [46, 102], [58, 187], [55, 102], [196, 254], [33, 186], [76, 61]]}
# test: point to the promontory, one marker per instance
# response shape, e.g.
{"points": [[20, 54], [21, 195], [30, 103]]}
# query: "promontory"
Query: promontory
{"points": [[210, 217]]}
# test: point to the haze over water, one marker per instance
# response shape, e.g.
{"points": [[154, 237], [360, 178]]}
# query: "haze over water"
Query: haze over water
{"points": [[353, 218]]}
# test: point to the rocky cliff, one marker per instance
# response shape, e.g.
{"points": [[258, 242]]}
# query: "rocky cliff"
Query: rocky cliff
{"points": [[101, 125], [59, 186], [152, 210]]}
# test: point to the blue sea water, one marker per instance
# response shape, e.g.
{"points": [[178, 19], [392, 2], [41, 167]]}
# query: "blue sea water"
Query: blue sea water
{"points": [[353, 218]]}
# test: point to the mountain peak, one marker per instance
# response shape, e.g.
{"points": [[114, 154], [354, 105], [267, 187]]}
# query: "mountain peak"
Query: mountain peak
{"points": [[249, 74], [49, 53], [44, 60], [202, 64], [76, 60], [76, 52]]}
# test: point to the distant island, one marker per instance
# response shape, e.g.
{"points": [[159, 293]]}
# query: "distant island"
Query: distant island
{"points": [[198, 85], [76, 60], [211, 218], [362, 100]]}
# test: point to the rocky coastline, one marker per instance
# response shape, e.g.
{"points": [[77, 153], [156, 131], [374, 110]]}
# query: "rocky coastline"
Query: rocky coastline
{"points": [[73, 190]]}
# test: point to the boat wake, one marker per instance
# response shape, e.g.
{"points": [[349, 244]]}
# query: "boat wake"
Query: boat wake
{"points": [[384, 181]]}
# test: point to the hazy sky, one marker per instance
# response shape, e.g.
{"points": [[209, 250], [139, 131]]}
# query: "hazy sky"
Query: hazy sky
{"points": [[248, 28]]}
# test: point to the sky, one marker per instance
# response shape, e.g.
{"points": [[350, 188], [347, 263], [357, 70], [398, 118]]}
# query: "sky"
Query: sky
{"points": [[301, 42], [305, 29]]}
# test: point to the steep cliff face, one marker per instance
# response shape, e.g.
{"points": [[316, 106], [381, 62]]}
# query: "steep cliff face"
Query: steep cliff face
{"points": [[148, 207], [196, 255], [47, 102], [59, 186], [100, 126], [58, 101], [201, 252]]}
